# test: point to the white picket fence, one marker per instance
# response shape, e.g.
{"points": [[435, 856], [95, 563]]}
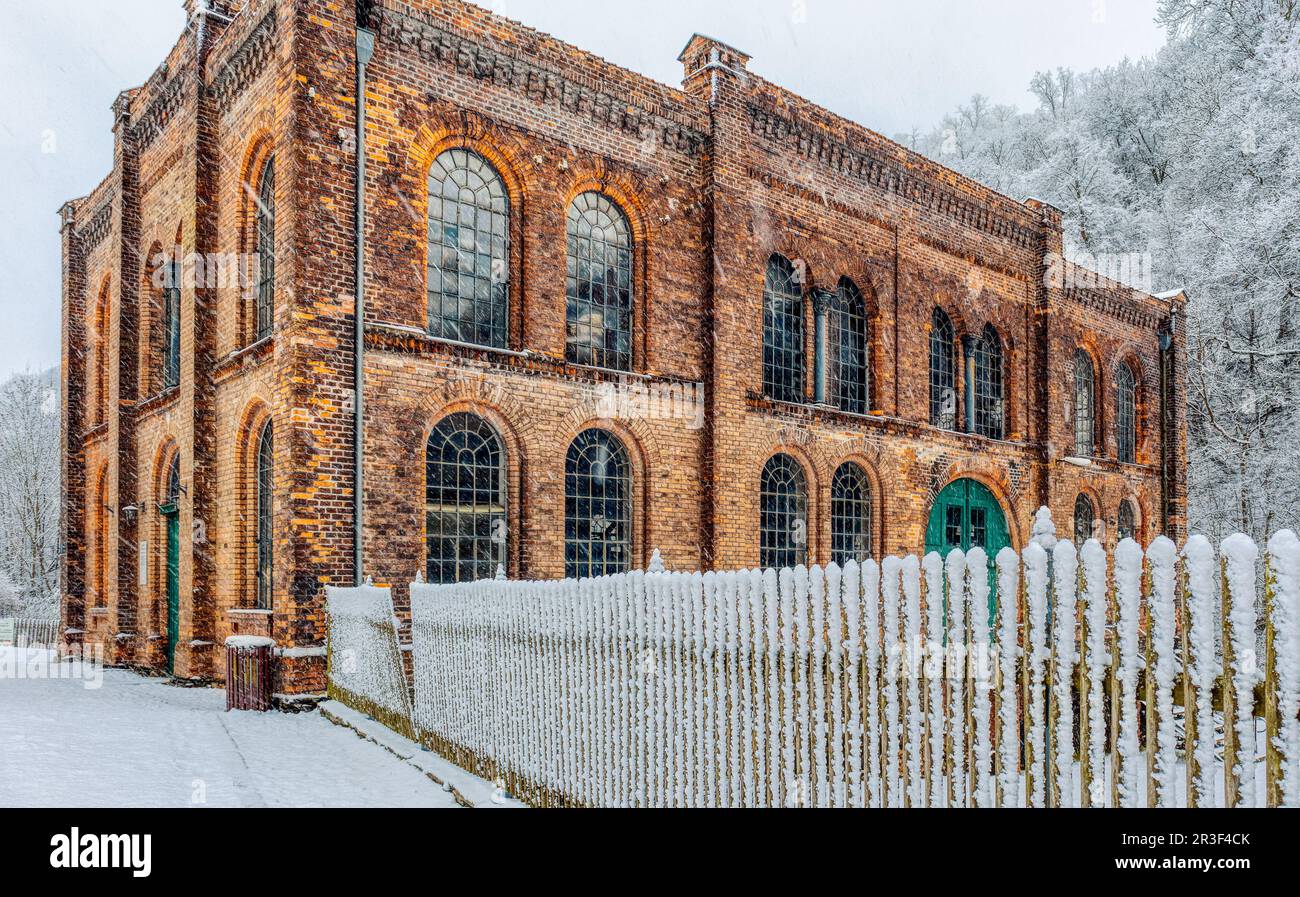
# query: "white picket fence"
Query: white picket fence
{"points": [[27, 631], [871, 685]]}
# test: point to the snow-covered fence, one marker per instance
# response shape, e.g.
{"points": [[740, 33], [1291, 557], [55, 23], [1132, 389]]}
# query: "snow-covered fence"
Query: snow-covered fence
{"points": [[28, 631], [365, 661], [1129, 681]]}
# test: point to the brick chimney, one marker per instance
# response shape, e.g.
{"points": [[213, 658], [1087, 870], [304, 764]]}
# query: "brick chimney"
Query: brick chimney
{"points": [[704, 59]]}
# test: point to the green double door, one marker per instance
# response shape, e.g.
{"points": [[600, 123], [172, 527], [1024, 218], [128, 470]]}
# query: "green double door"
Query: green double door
{"points": [[173, 521], [965, 516]]}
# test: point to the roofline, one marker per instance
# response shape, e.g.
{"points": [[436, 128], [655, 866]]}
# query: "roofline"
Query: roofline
{"points": [[681, 57]]}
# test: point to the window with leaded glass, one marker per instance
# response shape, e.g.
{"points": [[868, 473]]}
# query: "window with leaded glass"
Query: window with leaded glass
{"points": [[1085, 517], [465, 495], [783, 514], [597, 506], [1126, 525], [1126, 413], [850, 515], [598, 284], [989, 395], [171, 324], [848, 361], [265, 252], [469, 241], [1085, 409], [943, 384], [173, 482], [783, 357], [265, 522]]}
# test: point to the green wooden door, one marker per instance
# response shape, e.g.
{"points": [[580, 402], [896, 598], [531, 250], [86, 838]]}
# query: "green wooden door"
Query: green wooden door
{"points": [[966, 515], [173, 583]]}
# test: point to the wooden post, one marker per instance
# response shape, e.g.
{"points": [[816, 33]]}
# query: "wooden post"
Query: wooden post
{"points": [[1189, 689], [1086, 771], [1151, 714], [1230, 780], [1272, 728], [1025, 691], [1113, 676]]}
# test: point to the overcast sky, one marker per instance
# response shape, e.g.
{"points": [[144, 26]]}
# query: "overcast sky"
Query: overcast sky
{"points": [[891, 66]]}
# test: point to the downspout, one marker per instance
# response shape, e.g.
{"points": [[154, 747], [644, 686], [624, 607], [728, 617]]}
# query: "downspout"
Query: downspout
{"points": [[365, 51]]}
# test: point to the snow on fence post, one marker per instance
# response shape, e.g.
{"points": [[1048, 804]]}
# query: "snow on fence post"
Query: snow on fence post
{"points": [[1065, 583], [856, 796], [890, 572], [934, 714], [1284, 618], [1008, 616], [1239, 556], [835, 583], [1092, 704], [980, 677], [912, 657], [871, 601], [1203, 598], [1162, 556], [1036, 766], [365, 662], [1128, 596], [955, 654]]}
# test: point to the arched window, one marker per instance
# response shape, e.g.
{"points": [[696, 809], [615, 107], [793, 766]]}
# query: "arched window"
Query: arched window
{"points": [[1126, 413], [1126, 525], [943, 385], [469, 259], [849, 362], [783, 356], [598, 285], [99, 413], [99, 514], [989, 396], [265, 524], [265, 252], [465, 492], [1085, 407], [783, 514], [850, 515], [1084, 520], [173, 494], [597, 506], [171, 360]]}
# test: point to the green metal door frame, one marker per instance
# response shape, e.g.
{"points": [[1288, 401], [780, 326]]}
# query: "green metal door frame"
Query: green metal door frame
{"points": [[967, 514], [172, 579]]}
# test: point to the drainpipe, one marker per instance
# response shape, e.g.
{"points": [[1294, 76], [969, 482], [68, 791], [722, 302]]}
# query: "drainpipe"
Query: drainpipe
{"points": [[365, 51]]}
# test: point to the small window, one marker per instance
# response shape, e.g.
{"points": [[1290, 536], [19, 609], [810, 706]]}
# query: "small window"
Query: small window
{"points": [[783, 514], [848, 360], [943, 390], [171, 324], [598, 284], [174, 481], [783, 358], [1126, 413], [465, 522], [597, 506], [469, 251], [265, 523], [989, 395], [1084, 405], [850, 515], [265, 253], [979, 528], [1126, 525], [1085, 517], [952, 526]]}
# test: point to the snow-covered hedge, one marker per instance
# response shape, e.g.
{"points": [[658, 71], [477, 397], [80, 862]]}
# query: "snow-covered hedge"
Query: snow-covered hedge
{"points": [[870, 685], [365, 663]]}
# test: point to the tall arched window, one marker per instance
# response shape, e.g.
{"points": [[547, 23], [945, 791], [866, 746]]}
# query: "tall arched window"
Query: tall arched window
{"points": [[1085, 408], [265, 252], [99, 413], [989, 395], [849, 363], [465, 492], [173, 493], [99, 514], [597, 506], [469, 258], [943, 384], [171, 360], [1126, 524], [598, 285], [783, 358], [265, 524], [1085, 517], [1126, 413], [850, 515], [783, 514]]}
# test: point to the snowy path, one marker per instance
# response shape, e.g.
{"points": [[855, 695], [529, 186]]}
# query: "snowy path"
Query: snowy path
{"points": [[140, 742]]}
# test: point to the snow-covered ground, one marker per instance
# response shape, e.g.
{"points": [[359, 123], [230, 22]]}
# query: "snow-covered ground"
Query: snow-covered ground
{"points": [[136, 741]]}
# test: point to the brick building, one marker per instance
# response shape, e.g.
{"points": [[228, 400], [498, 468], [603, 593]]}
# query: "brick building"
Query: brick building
{"points": [[602, 316]]}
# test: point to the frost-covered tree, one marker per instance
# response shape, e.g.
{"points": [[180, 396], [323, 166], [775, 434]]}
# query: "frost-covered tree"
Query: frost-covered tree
{"points": [[29, 493], [1192, 157]]}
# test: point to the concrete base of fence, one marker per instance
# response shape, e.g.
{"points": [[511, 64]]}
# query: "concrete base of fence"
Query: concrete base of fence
{"points": [[468, 790]]}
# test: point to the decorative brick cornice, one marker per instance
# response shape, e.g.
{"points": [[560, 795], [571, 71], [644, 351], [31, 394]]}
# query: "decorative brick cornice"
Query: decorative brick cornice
{"points": [[154, 119], [246, 63], [539, 84], [96, 228], [1118, 304], [816, 145]]}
